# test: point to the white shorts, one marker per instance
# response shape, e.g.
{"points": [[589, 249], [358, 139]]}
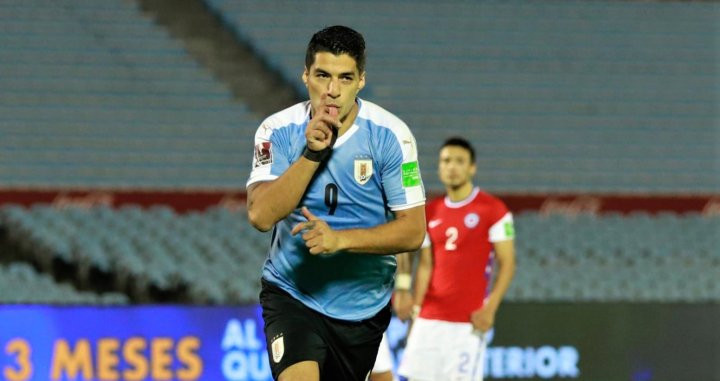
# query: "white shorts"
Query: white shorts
{"points": [[383, 361], [443, 350]]}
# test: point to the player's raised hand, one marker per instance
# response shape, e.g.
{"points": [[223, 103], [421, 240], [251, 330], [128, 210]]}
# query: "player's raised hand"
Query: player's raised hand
{"points": [[322, 127], [318, 236]]}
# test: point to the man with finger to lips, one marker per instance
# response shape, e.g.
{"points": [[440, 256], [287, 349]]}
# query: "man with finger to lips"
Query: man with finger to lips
{"points": [[337, 180]]}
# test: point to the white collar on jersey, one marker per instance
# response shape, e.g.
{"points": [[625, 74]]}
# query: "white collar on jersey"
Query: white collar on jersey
{"points": [[346, 135], [352, 130], [459, 204]]}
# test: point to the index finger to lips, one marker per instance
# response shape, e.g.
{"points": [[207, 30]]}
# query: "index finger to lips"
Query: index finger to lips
{"points": [[331, 121], [320, 112]]}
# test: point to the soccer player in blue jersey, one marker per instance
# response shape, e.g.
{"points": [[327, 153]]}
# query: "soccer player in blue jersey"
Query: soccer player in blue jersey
{"points": [[337, 179]]}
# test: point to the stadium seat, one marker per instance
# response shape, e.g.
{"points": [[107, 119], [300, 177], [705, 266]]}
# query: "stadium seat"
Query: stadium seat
{"points": [[217, 257], [95, 94], [623, 104], [21, 284]]}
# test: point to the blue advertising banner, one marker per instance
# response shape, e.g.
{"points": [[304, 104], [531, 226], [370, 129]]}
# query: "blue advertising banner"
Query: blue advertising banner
{"points": [[155, 343], [132, 343], [532, 341]]}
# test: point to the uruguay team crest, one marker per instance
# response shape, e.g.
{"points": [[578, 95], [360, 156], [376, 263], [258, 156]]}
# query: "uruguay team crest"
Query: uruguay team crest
{"points": [[363, 170], [278, 349]]}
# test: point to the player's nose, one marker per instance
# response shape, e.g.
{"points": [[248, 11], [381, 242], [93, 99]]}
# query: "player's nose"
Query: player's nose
{"points": [[333, 89]]}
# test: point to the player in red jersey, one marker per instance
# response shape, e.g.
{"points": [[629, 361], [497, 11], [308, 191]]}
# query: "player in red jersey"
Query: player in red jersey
{"points": [[467, 230]]}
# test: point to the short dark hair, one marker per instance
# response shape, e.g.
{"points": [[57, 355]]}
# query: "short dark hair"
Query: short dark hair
{"points": [[460, 142], [337, 40]]}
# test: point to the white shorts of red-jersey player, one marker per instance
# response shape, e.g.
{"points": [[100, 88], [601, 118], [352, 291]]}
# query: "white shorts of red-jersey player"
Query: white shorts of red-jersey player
{"points": [[383, 361], [443, 350]]}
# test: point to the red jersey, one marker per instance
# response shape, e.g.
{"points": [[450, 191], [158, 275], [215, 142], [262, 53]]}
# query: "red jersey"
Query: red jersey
{"points": [[462, 235]]}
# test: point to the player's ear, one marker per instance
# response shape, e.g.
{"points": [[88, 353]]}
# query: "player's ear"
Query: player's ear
{"points": [[361, 83], [305, 75]]}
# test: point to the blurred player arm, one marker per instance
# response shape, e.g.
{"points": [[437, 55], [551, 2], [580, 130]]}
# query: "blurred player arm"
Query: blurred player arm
{"points": [[422, 277], [505, 256], [484, 318], [270, 201], [402, 299], [407, 302]]}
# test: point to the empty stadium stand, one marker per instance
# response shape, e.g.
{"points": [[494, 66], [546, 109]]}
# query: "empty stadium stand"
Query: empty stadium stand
{"points": [[625, 102], [215, 257], [93, 94], [638, 258], [151, 255], [21, 284]]}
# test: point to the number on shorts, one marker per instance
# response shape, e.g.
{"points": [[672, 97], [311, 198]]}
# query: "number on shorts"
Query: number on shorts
{"points": [[464, 362]]}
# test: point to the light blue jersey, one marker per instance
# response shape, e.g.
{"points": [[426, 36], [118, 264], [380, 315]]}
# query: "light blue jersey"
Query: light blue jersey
{"points": [[373, 170]]}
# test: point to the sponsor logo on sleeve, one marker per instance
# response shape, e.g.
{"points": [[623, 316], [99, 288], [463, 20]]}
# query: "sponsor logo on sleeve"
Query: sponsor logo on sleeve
{"points": [[410, 174], [263, 154], [509, 230], [409, 147]]}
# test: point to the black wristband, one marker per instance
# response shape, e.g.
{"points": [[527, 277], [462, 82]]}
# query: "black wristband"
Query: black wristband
{"points": [[317, 156]]}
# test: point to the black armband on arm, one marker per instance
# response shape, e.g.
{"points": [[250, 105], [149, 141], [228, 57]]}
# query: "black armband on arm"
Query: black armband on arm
{"points": [[317, 156]]}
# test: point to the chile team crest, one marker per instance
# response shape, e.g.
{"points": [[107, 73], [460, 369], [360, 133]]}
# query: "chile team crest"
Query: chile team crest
{"points": [[363, 170]]}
